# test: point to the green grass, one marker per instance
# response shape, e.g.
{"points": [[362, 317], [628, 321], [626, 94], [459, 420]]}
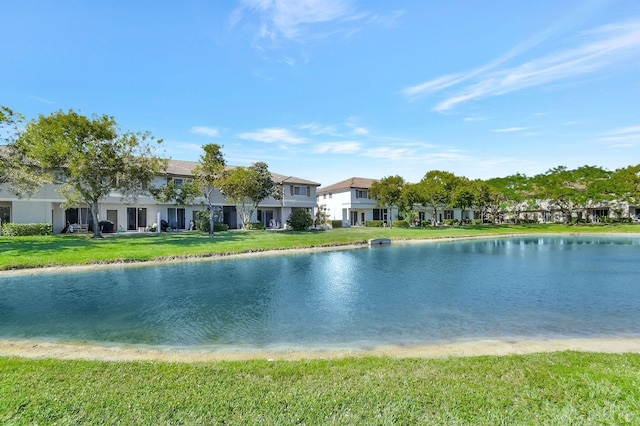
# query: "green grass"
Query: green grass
{"points": [[559, 388], [29, 252]]}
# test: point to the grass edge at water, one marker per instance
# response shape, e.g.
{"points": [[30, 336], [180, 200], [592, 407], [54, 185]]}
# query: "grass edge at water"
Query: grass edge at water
{"points": [[70, 250]]}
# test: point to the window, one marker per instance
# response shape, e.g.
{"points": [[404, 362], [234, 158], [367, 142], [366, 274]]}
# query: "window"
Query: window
{"points": [[362, 193], [448, 214], [180, 181], [176, 218], [5, 214], [598, 213], [380, 214], [300, 190], [136, 218]]}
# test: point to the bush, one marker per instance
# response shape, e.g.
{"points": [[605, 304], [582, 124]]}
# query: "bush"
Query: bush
{"points": [[476, 221], [299, 220], [255, 226], [374, 223], [202, 223], [449, 222], [11, 229], [220, 227], [400, 224], [336, 224]]}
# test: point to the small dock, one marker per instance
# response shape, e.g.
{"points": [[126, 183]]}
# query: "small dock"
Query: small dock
{"points": [[379, 241]]}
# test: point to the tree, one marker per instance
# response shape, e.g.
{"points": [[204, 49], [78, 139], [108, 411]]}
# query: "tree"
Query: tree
{"points": [[409, 197], [94, 157], [435, 189], [463, 195], [299, 220], [182, 194], [569, 190], [247, 187], [14, 171], [517, 190], [388, 192], [207, 173], [623, 185], [489, 200]]}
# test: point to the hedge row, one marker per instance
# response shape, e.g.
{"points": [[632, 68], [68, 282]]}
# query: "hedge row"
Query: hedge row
{"points": [[11, 229]]}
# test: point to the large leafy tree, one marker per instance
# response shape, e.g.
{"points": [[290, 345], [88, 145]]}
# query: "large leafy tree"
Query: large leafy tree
{"points": [[388, 192], [435, 189], [568, 190], [488, 200], [247, 187], [22, 178], [409, 198], [623, 185], [518, 193], [93, 155], [463, 195]]}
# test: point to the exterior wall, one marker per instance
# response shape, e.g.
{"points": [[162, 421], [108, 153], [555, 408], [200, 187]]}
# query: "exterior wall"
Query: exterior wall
{"points": [[44, 207], [352, 211]]}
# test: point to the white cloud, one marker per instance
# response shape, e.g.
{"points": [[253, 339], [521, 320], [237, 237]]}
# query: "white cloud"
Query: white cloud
{"points": [[510, 129], [629, 137], [360, 131], [288, 18], [623, 130], [624, 135], [272, 135], [469, 119], [209, 131], [390, 153], [345, 147], [319, 129], [603, 50]]}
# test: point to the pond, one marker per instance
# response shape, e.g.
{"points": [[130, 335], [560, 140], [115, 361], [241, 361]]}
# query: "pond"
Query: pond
{"points": [[505, 288]]}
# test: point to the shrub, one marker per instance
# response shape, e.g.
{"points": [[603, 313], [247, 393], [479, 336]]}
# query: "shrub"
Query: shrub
{"points": [[374, 223], [255, 226], [11, 229], [400, 224], [476, 221], [449, 222], [299, 220], [202, 223], [336, 224]]}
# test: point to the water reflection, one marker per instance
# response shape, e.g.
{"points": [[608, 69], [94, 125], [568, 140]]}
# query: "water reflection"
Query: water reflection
{"points": [[532, 287]]}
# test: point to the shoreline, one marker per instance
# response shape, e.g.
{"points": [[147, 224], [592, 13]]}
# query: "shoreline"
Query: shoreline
{"points": [[40, 349], [278, 251]]}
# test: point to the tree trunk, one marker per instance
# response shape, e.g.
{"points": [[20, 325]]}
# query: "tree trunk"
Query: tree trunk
{"points": [[211, 224], [97, 232]]}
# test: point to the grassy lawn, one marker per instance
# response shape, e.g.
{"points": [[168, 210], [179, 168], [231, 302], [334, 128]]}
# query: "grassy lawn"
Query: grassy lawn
{"points": [[28, 252], [559, 388]]}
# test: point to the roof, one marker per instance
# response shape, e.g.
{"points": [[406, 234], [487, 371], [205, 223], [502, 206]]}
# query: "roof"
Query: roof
{"points": [[185, 168], [354, 182]]}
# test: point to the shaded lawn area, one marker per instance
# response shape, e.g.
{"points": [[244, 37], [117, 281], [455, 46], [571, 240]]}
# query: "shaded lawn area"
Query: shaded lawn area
{"points": [[56, 250], [558, 388]]}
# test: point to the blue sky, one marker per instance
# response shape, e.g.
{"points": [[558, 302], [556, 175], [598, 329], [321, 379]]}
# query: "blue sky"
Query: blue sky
{"points": [[329, 89]]}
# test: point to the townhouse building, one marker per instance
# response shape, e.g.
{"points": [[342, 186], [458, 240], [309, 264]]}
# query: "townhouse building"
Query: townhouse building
{"points": [[138, 214]]}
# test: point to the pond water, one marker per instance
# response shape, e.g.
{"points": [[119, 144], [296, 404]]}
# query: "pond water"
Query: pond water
{"points": [[506, 288]]}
